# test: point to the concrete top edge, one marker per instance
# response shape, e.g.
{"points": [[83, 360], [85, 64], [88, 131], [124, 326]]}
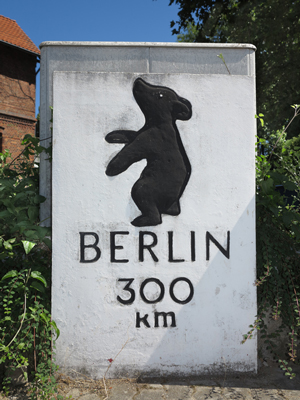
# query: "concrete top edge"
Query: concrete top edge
{"points": [[150, 44]]}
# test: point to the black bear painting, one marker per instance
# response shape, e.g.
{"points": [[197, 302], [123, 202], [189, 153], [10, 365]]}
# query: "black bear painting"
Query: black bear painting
{"points": [[163, 180]]}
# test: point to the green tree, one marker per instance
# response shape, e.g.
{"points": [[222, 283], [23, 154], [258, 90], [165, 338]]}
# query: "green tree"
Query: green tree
{"points": [[189, 35], [273, 26]]}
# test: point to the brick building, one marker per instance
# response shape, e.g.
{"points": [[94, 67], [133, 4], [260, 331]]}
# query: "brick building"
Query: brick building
{"points": [[18, 58]]}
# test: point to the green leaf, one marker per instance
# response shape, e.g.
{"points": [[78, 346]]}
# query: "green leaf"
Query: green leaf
{"points": [[290, 185], [48, 242], [10, 274], [7, 245], [37, 286], [275, 210], [39, 199], [287, 218], [37, 275], [57, 331], [30, 234], [42, 231], [45, 318], [28, 246], [4, 214], [33, 213], [267, 185]]}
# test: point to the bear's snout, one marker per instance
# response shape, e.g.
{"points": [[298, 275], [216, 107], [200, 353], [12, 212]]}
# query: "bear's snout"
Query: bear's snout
{"points": [[139, 85]]}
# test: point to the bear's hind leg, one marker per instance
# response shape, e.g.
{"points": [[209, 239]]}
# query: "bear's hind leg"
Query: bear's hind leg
{"points": [[147, 220], [142, 195], [174, 209]]}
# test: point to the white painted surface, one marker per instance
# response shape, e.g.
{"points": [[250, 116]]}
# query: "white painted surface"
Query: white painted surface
{"points": [[219, 141]]}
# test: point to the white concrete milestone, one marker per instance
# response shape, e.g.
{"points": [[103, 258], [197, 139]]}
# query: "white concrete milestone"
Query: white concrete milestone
{"points": [[175, 295]]}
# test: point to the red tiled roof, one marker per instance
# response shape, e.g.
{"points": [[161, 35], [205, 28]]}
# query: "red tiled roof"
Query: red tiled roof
{"points": [[11, 33]]}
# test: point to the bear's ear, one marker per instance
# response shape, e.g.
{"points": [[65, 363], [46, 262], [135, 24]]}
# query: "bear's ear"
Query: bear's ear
{"points": [[182, 109]]}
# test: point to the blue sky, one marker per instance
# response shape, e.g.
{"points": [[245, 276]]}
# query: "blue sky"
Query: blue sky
{"points": [[93, 20]]}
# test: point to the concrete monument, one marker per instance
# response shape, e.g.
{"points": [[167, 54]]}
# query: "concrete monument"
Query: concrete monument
{"points": [[153, 206]]}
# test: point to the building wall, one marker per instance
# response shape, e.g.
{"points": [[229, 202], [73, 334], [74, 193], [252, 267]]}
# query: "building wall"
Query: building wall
{"points": [[12, 131], [17, 97]]}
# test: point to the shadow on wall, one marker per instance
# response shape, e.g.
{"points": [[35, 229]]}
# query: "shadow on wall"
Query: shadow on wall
{"points": [[214, 321]]}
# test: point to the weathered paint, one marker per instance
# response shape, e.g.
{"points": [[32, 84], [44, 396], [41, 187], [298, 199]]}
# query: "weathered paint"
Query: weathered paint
{"points": [[193, 259]]}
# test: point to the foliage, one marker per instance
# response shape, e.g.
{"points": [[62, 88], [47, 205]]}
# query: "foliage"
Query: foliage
{"points": [[257, 22], [278, 240], [25, 323], [189, 35]]}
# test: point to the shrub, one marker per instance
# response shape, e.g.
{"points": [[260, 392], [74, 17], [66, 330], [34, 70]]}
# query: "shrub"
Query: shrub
{"points": [[25, 273]]}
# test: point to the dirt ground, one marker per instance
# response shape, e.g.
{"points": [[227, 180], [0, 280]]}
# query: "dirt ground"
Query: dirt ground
{"points": [[270, 382], [72, 387]]}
